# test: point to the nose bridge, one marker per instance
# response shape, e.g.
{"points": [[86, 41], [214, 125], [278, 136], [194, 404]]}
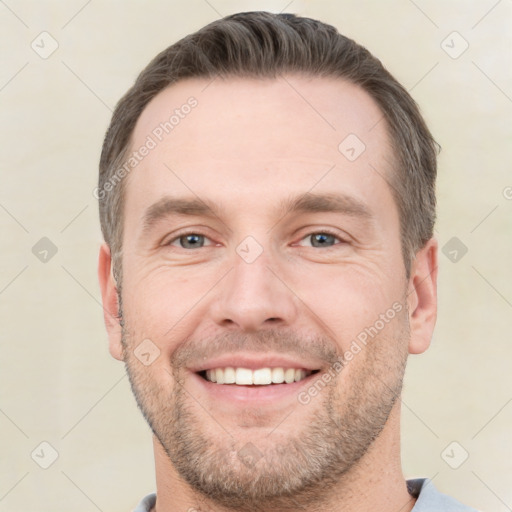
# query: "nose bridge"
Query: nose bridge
{"points": [[252, 295]]}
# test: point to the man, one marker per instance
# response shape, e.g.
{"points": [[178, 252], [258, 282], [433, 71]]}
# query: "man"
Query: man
{"points": [[267, 201]]}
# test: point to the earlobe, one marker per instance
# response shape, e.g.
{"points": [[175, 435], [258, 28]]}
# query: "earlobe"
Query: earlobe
{"points": [[110, 302], [422, 297]]}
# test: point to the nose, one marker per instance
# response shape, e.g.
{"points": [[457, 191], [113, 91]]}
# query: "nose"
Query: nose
{"points": [[254, 296]]}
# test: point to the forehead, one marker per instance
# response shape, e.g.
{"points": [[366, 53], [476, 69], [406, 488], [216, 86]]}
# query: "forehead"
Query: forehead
{"points": [[327, 108], [216, 136]]}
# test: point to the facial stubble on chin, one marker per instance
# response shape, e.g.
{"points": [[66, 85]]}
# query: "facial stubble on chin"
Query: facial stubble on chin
{"points": [[345, 420]]}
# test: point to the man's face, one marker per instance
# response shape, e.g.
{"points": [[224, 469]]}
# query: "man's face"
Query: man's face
{"points": [[253, 239]]}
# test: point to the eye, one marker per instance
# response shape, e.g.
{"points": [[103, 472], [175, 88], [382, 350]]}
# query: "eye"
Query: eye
{"points": [[321, 239], [190, 241]]}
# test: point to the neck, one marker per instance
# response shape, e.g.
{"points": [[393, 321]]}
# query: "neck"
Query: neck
{"points": [[376, 483]]}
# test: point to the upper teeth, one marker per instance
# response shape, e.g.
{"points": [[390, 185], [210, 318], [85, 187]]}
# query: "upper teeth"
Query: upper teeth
{"points": [[261, 376]]}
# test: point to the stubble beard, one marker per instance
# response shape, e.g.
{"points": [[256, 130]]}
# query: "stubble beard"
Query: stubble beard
{"points": [[346, 419]]}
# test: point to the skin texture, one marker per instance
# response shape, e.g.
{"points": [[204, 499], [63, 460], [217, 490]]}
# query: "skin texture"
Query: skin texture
{"points": [[246, 149]]}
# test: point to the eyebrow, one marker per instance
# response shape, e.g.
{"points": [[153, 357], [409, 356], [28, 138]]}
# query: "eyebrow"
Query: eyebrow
{"points": [[337, 203], [176, 206], [306, 203]]}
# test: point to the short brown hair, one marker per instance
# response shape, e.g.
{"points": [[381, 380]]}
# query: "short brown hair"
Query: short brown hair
{"points": [[265, 45]]}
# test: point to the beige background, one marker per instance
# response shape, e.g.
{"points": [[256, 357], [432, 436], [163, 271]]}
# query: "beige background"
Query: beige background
{"points": [[58, 382]]}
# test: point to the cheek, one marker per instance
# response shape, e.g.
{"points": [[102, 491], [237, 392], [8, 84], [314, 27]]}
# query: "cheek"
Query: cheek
{"points": [[163, 304], [348, 300]]}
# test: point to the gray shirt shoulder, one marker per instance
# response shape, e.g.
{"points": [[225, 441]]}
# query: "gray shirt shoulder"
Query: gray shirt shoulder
{"points": [[429, 499]]}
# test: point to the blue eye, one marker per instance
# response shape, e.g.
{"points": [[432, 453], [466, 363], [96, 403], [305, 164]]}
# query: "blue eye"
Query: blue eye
{"points": [[322, 240], [189, 241]]}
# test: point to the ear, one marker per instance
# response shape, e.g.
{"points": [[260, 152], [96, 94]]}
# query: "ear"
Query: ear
{"points": [[110, 302], [422, 297]]}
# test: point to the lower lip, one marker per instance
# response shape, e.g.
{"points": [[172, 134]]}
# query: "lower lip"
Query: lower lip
{"points": [[254, 395]]}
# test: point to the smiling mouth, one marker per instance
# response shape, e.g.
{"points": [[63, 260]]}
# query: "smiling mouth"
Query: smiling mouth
{"points": [[258, 377]]}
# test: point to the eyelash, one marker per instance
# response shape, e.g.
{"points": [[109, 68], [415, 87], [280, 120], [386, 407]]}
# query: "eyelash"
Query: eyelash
{"points": [[322, 231]]}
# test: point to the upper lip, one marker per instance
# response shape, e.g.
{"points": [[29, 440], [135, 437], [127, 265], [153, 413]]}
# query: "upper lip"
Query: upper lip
{"points": [[255, 361]]}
